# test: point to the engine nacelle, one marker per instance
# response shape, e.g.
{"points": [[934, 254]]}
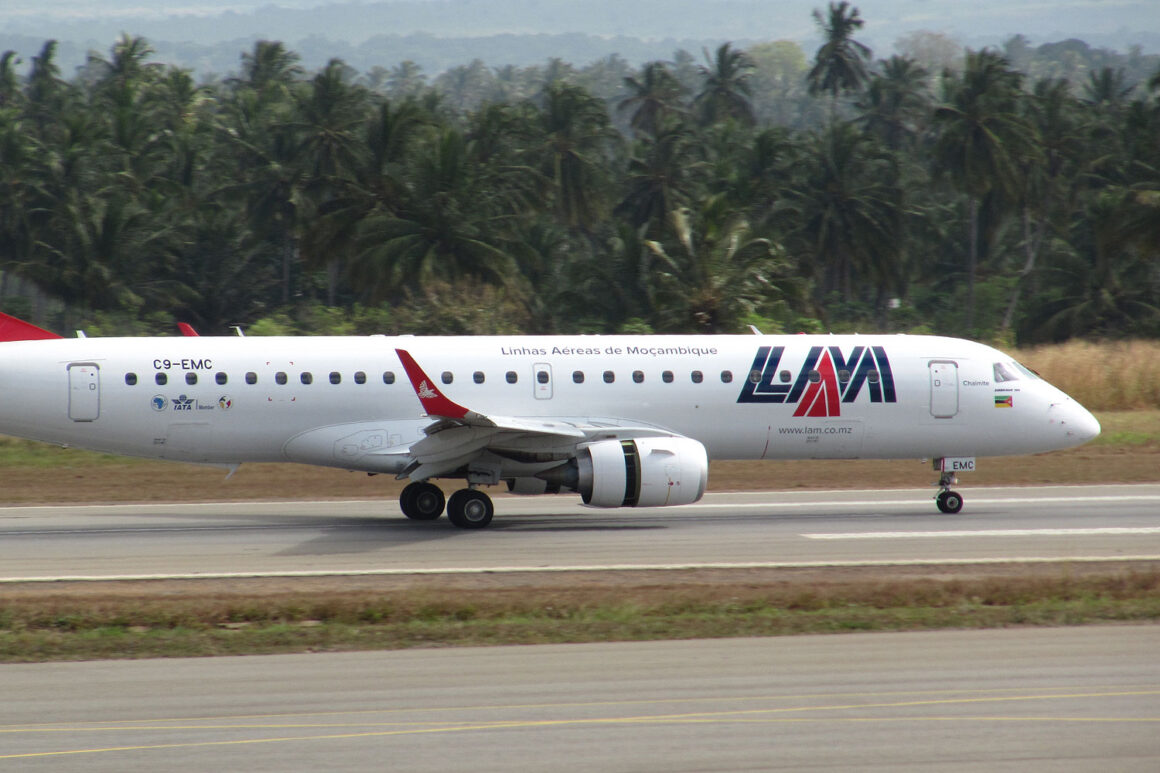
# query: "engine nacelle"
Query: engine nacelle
{"points": [[649, 472]]}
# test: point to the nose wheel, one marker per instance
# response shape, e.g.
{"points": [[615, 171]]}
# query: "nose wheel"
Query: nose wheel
{"points": [[949, 502]]}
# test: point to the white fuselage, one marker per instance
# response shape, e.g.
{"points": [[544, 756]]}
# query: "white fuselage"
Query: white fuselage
{"points": [[757, 397]]}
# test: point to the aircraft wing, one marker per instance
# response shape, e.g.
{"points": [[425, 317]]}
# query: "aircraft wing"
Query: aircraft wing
{"points": [[459, 435]]}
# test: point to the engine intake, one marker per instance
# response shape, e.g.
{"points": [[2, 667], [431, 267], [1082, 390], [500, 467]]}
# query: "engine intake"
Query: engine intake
{"points": [[649, 472]]}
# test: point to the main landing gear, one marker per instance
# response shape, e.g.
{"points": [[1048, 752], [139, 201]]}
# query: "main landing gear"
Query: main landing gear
{"points": [[948, 501], [467, 508]]}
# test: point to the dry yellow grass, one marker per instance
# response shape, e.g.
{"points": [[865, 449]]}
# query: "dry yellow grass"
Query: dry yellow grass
{"points": [[1109, 376]]}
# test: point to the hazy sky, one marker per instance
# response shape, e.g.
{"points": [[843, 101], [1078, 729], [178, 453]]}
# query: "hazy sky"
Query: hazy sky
{"points": [[94, 24]]}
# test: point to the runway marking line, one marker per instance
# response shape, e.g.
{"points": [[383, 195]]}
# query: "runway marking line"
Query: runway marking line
{"points": [[1086, 532], [144, 724], [698, 717], [99, 724], [583, 568]]}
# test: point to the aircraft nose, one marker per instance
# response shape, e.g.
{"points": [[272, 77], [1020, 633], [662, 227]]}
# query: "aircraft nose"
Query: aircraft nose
{"points": [[1076, 421]]}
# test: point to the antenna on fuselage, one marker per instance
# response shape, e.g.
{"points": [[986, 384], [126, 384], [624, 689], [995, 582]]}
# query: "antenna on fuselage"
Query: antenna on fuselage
{"points": [[756, 332], [238, 329]]}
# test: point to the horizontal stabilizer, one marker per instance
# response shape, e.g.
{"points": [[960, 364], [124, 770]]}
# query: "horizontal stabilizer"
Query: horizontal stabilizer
{"points": [[13, 329]]}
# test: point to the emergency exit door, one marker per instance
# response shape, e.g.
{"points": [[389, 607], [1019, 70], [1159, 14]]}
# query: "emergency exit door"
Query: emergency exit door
{"points": [[944, 389], [84, 391]]}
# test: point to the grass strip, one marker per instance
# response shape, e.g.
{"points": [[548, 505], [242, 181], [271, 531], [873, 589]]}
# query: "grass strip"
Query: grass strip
{"points": [[60, 627]]}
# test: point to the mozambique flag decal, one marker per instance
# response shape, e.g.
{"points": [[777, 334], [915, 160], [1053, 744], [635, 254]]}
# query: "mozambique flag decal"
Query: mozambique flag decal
{"points": [[1004, 401]]}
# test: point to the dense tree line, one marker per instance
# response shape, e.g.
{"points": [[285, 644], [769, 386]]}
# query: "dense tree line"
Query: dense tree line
{"points": [[747, 187]]}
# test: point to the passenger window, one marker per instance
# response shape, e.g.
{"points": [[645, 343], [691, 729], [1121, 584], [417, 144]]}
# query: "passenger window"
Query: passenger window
{"points": [[221, 378], [389, 377], [251, 377], [755, 376], [784, 376], [578, 376], [815, 377], [280, 377], [843, 375], [161, 379], [191, 378], [447, 377], [697, 376], [131, 379], [726, 376], [306, 377], [360, 377], [609, 377], [512, 377], [335, 377], [638, 376], [478, 377], [1002, 374], [667, 377], [872, 377]]}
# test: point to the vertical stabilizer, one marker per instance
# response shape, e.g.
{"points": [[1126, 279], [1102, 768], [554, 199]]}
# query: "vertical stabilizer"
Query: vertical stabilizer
{"points": [[13, 329]]}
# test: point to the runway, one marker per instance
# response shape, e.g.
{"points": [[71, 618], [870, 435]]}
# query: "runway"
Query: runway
{"points": [[552, 533], [1070, 699]]}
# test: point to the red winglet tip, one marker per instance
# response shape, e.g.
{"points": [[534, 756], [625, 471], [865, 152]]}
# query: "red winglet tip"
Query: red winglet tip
{"points": [[435, 403], [186, 329], [14, 329]]}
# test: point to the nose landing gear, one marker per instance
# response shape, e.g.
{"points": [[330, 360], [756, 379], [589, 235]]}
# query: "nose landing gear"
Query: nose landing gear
{"points": [[948, 501]]}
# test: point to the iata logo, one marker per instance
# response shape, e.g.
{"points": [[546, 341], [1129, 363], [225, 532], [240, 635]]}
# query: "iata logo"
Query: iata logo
{"points": [[825, 381]]}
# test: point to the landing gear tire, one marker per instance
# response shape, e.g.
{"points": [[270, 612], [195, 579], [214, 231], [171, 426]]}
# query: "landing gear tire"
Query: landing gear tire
{"points": [[949, 502], [470, 509], [422, 501]]}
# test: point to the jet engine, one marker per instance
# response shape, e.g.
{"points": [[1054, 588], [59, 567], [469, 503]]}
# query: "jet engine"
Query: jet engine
{"points": [[648, 472]]}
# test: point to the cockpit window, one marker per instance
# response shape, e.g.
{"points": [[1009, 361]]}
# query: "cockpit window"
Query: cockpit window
{"points": [[1012, 371], [1026, 371], [1003, 373]]}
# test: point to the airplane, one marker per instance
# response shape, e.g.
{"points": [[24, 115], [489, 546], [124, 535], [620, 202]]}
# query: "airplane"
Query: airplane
{"points": [[623, 420]]}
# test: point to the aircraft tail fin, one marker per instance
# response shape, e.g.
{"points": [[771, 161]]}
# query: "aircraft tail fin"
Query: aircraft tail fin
{"points": [[14, 329], [433, 400]]}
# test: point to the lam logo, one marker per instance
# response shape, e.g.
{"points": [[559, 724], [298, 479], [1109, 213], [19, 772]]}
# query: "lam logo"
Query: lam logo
{"points": [[826, 379], [425, 392]]}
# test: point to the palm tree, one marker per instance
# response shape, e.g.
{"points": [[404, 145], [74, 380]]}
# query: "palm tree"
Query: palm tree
{"points": [[895, 100], [718, 271], [1054, 115], [981, 141], [406, 80], [840, 62], [656, 95], [9, 83], [269, 69], [1106, 87], [574, 140], [725, 90], [1099, 289], [448, 226], [848, 208], [662, 174]]}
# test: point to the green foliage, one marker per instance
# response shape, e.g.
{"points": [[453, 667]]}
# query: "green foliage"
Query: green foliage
{"points": [[1010, 195]]}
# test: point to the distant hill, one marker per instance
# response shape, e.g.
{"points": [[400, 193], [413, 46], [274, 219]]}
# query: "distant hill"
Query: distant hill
{"points": [[209, 34]]}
